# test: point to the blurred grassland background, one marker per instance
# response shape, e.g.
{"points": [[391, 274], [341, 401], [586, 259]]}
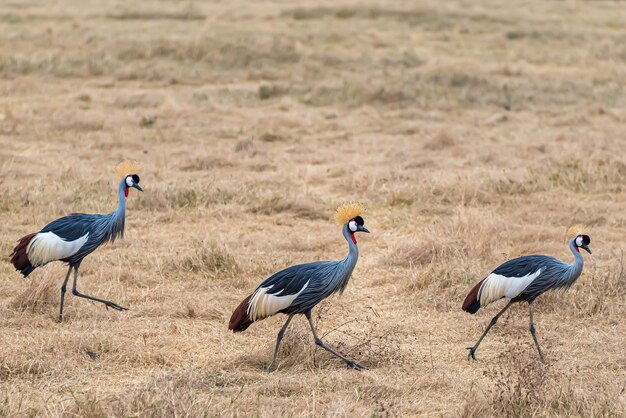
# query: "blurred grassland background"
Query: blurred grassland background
{"points": [[474, 131]]}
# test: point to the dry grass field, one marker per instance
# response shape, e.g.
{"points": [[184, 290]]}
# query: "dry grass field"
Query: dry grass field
{"points": [[474, 131]]}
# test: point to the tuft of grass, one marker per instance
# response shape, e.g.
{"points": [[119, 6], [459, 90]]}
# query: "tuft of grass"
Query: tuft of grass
{"points": [[521, 385], [147, 15], [207, 259], [269, 91], [147, 122], [441, 140], [39, 297], [299, 207]]}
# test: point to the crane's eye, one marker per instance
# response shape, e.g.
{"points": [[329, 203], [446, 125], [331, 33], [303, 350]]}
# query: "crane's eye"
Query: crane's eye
{"points": [[586, 239], [359, 221], [135, 178], [352, 225], [579, 240], [129, 181]]}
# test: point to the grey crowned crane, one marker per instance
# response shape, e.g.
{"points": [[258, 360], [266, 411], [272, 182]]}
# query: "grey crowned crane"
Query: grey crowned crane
{"points": [[298, 289], [71, 238], [524, 279]]}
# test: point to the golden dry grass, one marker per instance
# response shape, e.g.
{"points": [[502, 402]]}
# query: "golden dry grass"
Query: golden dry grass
{"points": [[473, 131]]}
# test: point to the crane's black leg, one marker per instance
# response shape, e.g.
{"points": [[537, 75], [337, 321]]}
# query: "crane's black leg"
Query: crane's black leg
{"points": [[63, 289], [107, 303], [472, 350], [532, 331], [320, 343], [278, 340]]}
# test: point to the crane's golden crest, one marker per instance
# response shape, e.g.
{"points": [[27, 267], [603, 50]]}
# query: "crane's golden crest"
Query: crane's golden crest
{"points": [[574, 230], [127, 167], [348, 211]]}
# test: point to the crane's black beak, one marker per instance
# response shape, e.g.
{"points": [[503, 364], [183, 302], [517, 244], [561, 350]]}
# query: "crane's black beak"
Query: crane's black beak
{"points": [[362, 229], [586, 248], [138, 187]]}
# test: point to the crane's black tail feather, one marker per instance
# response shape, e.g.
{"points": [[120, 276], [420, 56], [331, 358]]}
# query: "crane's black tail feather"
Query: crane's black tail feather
{"points": [[240, 321], [19, 258], [471, 303]]}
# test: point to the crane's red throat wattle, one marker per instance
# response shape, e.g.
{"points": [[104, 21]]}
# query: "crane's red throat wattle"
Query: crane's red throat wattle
{"points": [[353, 238], [126, 191]]}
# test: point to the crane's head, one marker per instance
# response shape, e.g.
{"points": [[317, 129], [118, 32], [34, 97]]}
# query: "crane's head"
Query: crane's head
{"points": [[577, 237], [126, 170], [349, 215], [582, 241], [132, 180]]}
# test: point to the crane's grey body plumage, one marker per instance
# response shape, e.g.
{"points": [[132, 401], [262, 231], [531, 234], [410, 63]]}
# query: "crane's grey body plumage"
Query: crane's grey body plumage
{"points": [[298, 289], [555, 274], [101, 228], [525, 279], [324, 278]]}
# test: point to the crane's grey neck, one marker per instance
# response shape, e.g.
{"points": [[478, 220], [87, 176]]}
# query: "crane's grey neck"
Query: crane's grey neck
{"points": [[347, 264], [115, 225], [121, 198], [353, 248], [576, 267]]}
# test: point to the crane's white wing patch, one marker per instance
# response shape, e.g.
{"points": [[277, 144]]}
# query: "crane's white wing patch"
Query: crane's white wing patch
{"points": [[497, 287], [47, 246], [263, 304]]}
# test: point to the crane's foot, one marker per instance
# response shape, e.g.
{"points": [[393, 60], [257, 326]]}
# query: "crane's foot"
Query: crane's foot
{"points": [[353, 364], [472, 354], [115, 306], [271, 368]]}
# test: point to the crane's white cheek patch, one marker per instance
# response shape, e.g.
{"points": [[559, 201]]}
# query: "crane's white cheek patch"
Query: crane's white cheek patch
{"points": [[579, 241], [263, 304], [352, 226], [129, 181], [47, 246], [496, 287]]}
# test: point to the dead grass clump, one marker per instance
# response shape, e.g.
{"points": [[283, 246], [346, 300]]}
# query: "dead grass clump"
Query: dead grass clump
{"points": [[180, 197], [410, 16], [521, 385], [511, 186], [301, 208], [442, 139], [209, 260], [217, 53], [271, 137], [419, 252], [586, 176], [269, 91], [29, 368], [366, 339], [183, 394], [166, 396], [41, 294], [56, 64], [144, 100], [158, 15], [245, 145], [207, 164], [521, 382]]}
